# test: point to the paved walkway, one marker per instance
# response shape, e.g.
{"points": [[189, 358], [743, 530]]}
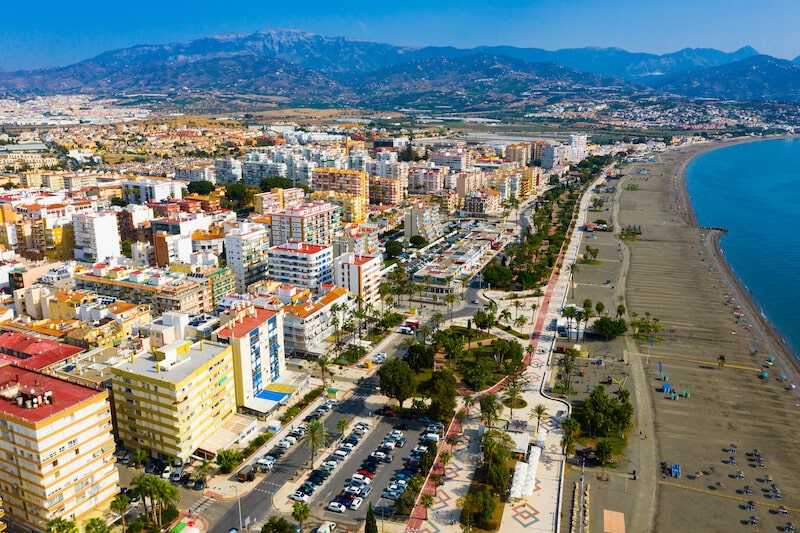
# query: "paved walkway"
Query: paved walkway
{"points": [[541, 511]]}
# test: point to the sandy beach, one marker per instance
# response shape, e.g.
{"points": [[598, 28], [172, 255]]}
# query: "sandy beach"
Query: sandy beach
{"points": [[675, 272]]}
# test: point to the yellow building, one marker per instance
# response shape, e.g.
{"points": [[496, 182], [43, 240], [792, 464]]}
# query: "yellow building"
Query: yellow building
{"points": [[173, 400], [345, 181], [59, 240], [354, 208], [58, 459], [63, 305]]}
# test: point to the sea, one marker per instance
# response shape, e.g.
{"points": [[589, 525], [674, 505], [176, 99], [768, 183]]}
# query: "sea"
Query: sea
{"points": [[753, 191]]}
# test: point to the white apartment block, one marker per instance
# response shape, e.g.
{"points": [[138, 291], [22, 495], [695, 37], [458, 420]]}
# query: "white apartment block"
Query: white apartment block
{"points": [[456, 160], [228, 170], [554, 155], [423, 219], [577, 147], [313, 222], [196, 174], [96, 236], [301, 264], [426, 178], [141, 191], [246, 253], [359, 274], [58, 448]]}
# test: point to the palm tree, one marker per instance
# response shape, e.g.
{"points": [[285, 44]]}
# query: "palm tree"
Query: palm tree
{"points": [[572, 430], [336, 320], [437, 319], [164, 494], [140, 458], [570, 312], [300, 512], [490, 409], [120, 505], [505, 315], [621, 310], [517, 307], [600, 307], [469, 401], [513, 391], [533, 307], [520, 322], [384, 290], [203, 468], [573, 269], [143, 487], [316, 438], [61, 525], [450, 299], [424, 332], [445, 458], [323, 363], [540, 411], [426, 502], [96, 525], [464, 280], [341, 426]]}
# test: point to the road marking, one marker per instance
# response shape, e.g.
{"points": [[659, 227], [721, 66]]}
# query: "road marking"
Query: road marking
{"points": [[728, 496]]}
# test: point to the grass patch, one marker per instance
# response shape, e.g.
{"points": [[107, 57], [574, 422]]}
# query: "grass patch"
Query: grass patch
{"points": [[593, 262], [518, 404], [423, 377], [478, 484], [517, 334], [477, 335]]}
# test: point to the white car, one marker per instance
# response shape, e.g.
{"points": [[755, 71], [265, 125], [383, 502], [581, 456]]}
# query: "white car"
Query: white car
{"points": [[356, 503], [266, 463], [329, 464], [394, 487], [396, 434], [361, 479], [336, 507], [365, 425], [419, 449], [352, 490], [284, 445], [348, 445], [299, 496], [378, 455], [400, 482], [359, 430], [291, 440]]}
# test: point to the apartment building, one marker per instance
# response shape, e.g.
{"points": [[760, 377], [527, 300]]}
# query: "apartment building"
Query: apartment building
{"points": [[456, 160], [314, 222], [352, 182], [359, 274], [163, 291], [96, 236], [182, 223], [482, 203], [308, 323], [554, 155], [278, 199], [228, 170], [209, 241], [301, 264], [426, 178], [144, 190], [353, 207], [246, 254], [519, 153], [196, 173], [58, 447], [577, 147], [172, 400], [387, 191], [172, 248], [356, 239], [423, 219], [255, 335]]}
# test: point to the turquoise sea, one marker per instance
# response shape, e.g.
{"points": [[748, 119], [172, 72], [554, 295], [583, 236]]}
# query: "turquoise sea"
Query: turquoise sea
{"points": [[753, 191]]}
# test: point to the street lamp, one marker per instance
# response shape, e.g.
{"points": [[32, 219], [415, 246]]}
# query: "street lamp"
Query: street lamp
{"points": [[239, 504]]}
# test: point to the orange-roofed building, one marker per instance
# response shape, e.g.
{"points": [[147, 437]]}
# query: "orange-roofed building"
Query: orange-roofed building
{"points": [[309, 325]]}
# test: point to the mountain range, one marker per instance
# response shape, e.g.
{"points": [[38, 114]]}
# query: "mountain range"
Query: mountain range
{"points": [[296, 66]]}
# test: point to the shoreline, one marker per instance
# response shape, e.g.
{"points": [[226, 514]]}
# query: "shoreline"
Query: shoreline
{"points": [[768, 334]]}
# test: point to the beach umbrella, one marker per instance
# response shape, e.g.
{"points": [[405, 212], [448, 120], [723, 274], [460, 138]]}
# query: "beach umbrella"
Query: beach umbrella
{"points": [[771, 358], [783, 376], [764, 375]]}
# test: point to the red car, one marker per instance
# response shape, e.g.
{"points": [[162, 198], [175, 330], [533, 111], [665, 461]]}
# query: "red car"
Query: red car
{"points": [[367, 473]]}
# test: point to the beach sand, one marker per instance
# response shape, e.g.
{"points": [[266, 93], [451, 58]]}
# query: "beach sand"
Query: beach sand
{"points": [[675, 272]]}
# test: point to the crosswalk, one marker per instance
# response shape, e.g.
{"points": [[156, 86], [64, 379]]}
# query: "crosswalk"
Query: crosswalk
{"points": [[201, 505]]}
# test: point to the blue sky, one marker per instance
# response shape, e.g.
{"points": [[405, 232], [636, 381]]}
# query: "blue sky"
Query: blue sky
{"points": [[52, 33]]}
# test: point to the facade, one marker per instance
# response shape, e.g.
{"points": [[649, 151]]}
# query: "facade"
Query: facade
{"points": [[171, 401], [301, 264], [554, 155], [172, 248], [455, 160], [577, 147], [210, 241], [519, 153], [356, 239], [134, 223], [96, 236], [255, 335], [482, 203], [426, 178], [278, 199], [387, 191], [163, 291], [308, 323], [246, 254], [58, 447], [144, 190], [314, 222], [197, 173], [359, 274], [228, 170], [353, 207], [344, 181], [425, 220]]}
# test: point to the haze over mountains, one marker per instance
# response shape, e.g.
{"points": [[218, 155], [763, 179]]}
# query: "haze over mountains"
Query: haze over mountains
{"points": [[307, 68]]}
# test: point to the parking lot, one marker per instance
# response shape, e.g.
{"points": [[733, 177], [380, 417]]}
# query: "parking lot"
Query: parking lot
{"points": [[370, 443]]}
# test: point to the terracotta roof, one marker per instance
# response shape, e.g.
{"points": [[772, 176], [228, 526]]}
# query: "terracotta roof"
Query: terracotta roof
{"points": [[37, 353], [247, 324]]}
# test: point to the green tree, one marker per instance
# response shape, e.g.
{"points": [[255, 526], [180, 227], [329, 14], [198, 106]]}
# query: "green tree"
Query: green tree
{"points": [[620, 310], [499, 476], [539, 412], [513, 393], [116, 200], [316, 437], [139, 458], [610, 327], [520, 322], [441, 390], [228, 459], [370, 525], [96, 525], [341, 426], [604, 451], [201, 187], [573, 270], [600, 307], [397, 380], [300, 512], [238, 194], [323, 362], [61, 525], [393, 248], [267, 184], [505, 316], [490, 409], [120, 505], [277, 524], [572, 430], [418, 241], [420, 356], [426, 502]]}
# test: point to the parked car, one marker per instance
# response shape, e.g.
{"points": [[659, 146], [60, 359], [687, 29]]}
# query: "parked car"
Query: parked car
{"points": [[378, 455], [365, 491], [177, 472], [200, 484], [400, 442], [389, 495], [356, 503], [336, 507], [367, 473], [127, 457], [291, 440], [394, 487], [299, 496], [361, 478]]}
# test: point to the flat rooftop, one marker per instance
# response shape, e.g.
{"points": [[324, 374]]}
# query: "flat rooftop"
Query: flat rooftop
{"points": [[199, 354]]}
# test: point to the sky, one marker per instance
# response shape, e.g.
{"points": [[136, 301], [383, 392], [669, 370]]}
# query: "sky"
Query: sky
{"points": [[55, 33]]}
